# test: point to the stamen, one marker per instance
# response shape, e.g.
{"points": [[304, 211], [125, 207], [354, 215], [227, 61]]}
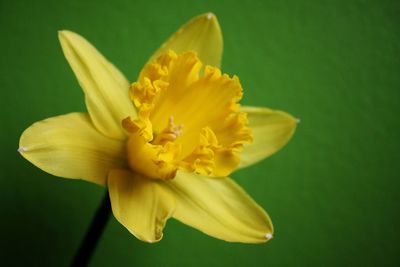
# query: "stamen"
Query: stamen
{"points": [[170, 133], [176, 129]]}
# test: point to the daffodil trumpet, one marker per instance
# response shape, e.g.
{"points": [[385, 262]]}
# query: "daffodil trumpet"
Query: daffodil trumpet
{"points": [[165, 144]]}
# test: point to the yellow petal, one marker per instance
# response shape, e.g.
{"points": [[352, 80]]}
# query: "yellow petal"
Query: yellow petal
{"points": [[140, 204], [69, 146], [106, 89], [152, 161], [201, 34], [272, 129], [219, 208]]}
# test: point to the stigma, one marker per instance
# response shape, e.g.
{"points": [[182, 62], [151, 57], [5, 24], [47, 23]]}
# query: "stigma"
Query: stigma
{"points": [[169, 134]]}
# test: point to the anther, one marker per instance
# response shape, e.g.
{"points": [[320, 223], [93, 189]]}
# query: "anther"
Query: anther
{"points": [[174, 129], [170, 133]]}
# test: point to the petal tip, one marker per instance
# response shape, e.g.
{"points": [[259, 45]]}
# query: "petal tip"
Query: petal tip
{"points": [[269, 236], [66, 34], [62, 33], [210, 15], [157, 238], [22, 149], [210, 19]]}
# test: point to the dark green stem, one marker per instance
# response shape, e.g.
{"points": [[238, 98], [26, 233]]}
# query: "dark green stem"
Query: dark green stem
{"points": [[93, 234]]}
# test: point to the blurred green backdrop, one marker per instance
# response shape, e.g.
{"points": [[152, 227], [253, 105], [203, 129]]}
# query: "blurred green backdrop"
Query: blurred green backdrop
{"points": [[332, 192]]}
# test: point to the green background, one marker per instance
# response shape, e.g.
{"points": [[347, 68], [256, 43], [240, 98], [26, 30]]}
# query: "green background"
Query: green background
{"points": [[332, 192]]}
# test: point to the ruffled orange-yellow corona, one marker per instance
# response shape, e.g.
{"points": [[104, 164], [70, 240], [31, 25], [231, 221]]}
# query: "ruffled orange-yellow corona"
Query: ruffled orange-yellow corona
{"points": [[165, 144]]}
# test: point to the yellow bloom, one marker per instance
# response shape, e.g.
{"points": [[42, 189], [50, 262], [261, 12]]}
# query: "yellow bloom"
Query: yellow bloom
{"points": [[164, 145]]}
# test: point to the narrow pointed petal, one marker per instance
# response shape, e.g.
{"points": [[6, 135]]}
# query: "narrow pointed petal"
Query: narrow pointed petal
{"points": [[69, 146], [272, 129], [202, 35], [106, 88], [140, 204], [219, 208]]}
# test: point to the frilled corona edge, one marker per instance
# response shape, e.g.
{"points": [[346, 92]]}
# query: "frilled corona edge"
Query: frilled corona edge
{"points": [[186, 121]]}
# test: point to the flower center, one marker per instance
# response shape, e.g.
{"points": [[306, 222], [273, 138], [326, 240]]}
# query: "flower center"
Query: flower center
{"points": [[186, 121]]}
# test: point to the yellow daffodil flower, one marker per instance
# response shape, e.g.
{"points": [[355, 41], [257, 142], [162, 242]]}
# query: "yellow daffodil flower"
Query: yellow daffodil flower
{"points": [[165, 144]]}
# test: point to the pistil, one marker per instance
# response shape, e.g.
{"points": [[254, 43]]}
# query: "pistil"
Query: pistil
{"points": [[169, 134]]}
